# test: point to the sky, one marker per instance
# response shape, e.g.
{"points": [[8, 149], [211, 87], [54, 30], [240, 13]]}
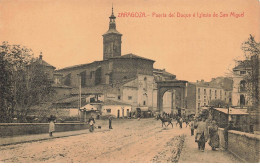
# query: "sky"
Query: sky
{"points": [[69, 32]]}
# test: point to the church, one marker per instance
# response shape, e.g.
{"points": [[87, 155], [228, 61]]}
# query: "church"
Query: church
{"points": [[118, 81]]}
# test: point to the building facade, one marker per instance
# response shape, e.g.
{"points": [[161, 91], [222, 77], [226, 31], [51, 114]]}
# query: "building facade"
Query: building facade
{"points": [[201, 94], [129, 79]]}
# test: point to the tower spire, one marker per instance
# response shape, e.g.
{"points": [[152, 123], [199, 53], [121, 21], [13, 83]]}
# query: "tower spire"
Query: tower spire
{"points": [[112, 22]]}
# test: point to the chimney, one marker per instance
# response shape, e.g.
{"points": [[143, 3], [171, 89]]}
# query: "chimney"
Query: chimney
{"points": [[40, 56], [202, 80]]}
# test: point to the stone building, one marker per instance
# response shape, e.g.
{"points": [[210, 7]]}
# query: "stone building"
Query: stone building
{"points": [[201, 93], [240, 96], [128, 79]]}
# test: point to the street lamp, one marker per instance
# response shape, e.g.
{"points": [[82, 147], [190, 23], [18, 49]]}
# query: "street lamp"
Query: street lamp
{"points": [[79, 76]]}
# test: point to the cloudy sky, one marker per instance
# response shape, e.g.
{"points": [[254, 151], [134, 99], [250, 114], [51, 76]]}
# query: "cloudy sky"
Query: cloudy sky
{"points": [[69, 32]]}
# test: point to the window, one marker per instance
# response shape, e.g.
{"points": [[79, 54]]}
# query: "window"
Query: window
{"points": [[129, 97], [204, 97], [198, 105], [215, 92], [210, 91], [204, 100], [198, 97], [144, 103], [242, 86], [119, 97], [108, 110], [205, 92], [242, 72], [198, 90], [204, 104]]}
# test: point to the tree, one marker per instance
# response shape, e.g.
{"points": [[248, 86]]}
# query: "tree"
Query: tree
{"points": [[218, 103], [251, 49], [23, 84]]}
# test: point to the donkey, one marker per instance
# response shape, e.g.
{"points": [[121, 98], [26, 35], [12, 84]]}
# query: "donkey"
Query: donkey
{"points": [[169, 120]]}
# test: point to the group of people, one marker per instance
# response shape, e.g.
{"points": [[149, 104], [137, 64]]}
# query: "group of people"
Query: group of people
{"points": [[91, 122], [205, 131]]}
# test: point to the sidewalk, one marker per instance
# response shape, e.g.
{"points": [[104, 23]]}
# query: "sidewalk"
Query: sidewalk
{"points": [[191, 154], [40, 137]]}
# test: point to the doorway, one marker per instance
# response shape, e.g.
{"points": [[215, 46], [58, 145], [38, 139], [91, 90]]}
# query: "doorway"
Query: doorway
{"points": [[118, 113]]}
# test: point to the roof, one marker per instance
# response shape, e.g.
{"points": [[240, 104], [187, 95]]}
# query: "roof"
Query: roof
{"points": [[163, 71], [43, 62], [68, 100], [112, 31], [77, 66], [232, 111], [243, 65], [206, 84], [112, 102], [131, 56], [61, 86]]}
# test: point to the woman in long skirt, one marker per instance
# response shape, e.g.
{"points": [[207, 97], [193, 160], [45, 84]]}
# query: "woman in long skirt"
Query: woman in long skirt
{"points": [[213, 135], [51, 125]]}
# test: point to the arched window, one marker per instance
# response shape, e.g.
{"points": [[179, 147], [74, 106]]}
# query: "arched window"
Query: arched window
{"points": [[242, 86]]}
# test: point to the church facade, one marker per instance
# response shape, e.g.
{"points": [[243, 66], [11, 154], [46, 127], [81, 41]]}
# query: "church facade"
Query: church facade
{"points": [[129, 78]]}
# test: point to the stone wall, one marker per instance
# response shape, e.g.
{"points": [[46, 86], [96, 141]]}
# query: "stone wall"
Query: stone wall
{"points": [[243, 145], [15, 129]]}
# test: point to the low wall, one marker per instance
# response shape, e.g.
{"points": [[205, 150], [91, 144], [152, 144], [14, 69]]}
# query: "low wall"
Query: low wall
{"points": [[243, 145], [14, 129], [221, 138]]}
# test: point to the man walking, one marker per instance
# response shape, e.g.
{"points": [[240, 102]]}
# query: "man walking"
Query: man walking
{"points": [[110, 122], [192, 127]]}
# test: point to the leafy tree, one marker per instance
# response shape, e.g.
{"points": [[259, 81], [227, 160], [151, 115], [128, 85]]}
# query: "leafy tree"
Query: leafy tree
{"points": [[251, 49], [23, 84], [218, 103]]}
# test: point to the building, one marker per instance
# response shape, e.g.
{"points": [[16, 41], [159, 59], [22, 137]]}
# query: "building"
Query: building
{"points": [[240, 97], [201, 94], [126, 79]]}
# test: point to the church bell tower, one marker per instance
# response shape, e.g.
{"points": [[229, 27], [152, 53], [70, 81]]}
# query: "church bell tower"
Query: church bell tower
{"points": [[112, 40]]}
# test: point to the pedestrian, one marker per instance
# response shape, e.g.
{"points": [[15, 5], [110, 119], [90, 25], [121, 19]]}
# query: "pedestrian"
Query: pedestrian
{"points": [[202, 134], [191, 127], [213, 135], [187, 121], [51, 125], [110, 122], [180, 122], [91, 122]]}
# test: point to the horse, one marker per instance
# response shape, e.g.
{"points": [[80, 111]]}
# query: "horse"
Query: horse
{"points": [[169, 120]]}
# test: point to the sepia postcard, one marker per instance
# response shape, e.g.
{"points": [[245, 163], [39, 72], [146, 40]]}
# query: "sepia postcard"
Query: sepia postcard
{"points": [[133, 81]]}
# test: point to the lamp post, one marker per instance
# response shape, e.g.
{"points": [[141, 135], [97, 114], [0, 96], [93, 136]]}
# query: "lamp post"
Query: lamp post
{"points": [[79, 95], [228, 117]]}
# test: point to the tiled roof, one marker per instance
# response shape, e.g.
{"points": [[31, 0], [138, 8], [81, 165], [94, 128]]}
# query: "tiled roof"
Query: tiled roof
{"points": [[112, 102], [131, 56], [77, 66], [242, 65]]}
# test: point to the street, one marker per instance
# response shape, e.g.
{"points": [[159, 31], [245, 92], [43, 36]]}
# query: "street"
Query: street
{"points": [[130, 141]]}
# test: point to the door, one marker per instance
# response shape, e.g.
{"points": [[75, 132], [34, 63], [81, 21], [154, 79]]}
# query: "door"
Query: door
{"points": [[118, 113]]}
